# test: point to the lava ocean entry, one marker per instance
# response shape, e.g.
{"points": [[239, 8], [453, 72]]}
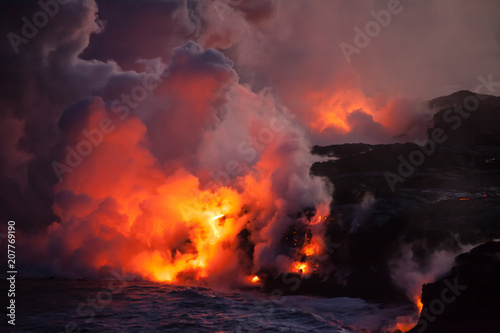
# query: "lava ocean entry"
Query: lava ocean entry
{"points": [[215, 144]]}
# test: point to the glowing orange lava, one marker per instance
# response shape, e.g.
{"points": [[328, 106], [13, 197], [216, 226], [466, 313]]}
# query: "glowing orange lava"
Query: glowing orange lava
{"points": [[318, 220], [404, 327], [210, 225], [313, 248], [406, 323], [309, 250], [214, 227], [123, 208], [420, 305], [300, 267]]}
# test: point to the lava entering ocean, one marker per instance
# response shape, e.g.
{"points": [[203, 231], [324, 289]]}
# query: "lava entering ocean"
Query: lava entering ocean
{"points": [[156, 212]]}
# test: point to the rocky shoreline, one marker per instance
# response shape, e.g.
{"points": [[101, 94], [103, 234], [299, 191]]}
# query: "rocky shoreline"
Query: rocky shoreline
{"points": [[451, 200]]}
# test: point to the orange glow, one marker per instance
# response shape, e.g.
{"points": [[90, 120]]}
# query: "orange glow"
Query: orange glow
{"points": [[172, 231], [163, 227], [309, 250], [209, 237], [404, 326], [313, 248], [406, 323], [300, 267], [420, 305], [334, 108], [123, 207], [214, 227], [318, 220]]}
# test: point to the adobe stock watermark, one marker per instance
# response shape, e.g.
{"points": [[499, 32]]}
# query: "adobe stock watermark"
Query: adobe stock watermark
{"points": [[372, 29], [437, 306], [94, 137], [31, 27], [454, 116], [88, 309]]}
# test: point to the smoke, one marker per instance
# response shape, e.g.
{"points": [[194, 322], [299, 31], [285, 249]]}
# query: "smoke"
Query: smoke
{"points": [[158, 170], [425, 50], [410, 273], [137, 199]]}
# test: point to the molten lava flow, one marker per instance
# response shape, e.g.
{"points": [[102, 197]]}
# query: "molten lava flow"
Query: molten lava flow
{"points": [[309, 250], [176, 233], [255, 279], [404, 325], [315, 247], [210, 236], [318, 220], [300, 267], [420, 305], [212, 224]]}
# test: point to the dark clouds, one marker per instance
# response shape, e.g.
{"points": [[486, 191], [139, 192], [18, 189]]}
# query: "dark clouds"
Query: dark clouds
{"points": [[140, 30], [38, 82]]}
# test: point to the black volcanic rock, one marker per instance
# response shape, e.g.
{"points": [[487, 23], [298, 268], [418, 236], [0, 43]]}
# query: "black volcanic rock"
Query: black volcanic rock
{"points": [[468, 119], [468, 298], [451, 199]]}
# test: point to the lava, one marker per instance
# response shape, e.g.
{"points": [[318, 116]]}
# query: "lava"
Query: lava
{"points": [[314, 247], [406, 323], [309, 250], [404, 326], [300, 267], [214, 227], [420, 305], [141, 200]]}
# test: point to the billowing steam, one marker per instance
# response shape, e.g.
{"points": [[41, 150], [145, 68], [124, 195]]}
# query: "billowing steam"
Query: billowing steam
{"points": [[162, 185]]}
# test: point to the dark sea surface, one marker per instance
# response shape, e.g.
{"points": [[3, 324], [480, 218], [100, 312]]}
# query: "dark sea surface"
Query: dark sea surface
{"points": [[52, 305]]}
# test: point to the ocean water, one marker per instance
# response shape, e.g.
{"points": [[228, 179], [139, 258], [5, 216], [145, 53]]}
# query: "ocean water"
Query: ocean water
{"points": [[90, 306]]}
